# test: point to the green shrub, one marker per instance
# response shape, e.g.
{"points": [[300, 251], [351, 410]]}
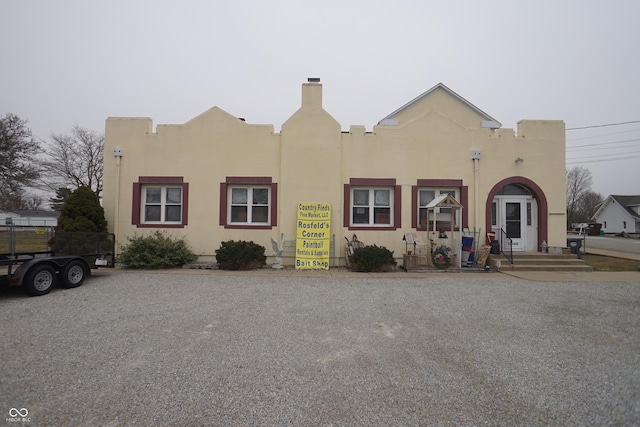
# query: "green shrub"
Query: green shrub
{"points": [[82, 212], [156, 251], [372, 258], [240, 255]]}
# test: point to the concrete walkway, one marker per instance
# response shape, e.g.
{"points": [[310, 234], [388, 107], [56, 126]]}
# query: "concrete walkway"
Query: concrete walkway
{"points": [[615, 254]]}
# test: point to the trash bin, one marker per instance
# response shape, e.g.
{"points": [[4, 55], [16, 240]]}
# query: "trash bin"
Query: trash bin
{"points": [[575, 245], [495, 247], [594, 229]]}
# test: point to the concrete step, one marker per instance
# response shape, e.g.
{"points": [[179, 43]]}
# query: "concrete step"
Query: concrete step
{"points": [[533, 261], [546, 267], [536, 261]]}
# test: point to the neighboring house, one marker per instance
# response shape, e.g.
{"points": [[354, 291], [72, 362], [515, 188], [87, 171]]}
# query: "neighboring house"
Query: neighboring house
{"points": [[218, 177], [618, 214], [5, 217], [31, 218]]}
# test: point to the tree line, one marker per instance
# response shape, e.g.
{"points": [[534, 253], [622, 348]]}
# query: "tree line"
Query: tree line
{"points": [[30, 167]]}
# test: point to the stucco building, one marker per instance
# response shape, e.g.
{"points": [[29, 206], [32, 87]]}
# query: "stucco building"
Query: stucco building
{"points": [[218, 177]]}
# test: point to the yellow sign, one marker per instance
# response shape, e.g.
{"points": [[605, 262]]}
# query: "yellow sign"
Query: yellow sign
{"points": [[313, 236]]}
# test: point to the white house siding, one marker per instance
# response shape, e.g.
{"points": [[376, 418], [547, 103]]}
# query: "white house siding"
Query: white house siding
{"points": [[615, 216]]}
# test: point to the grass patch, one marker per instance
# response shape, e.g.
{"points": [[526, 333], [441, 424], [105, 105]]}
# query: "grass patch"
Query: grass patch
{"points": [[607, 263], [25, 241]]}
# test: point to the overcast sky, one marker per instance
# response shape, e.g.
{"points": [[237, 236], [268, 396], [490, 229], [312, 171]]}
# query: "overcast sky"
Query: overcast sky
{"points": [[78, 62]]}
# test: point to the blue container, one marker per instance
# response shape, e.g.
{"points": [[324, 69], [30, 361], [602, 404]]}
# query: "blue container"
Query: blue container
{"points": [[467, 251]]}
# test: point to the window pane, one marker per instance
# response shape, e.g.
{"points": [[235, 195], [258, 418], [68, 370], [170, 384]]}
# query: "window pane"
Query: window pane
{"points": [[381, 197], [239, 196], [153, 195], [172, 213], [152, 213], [494, 213], [426, 196], [513, 229], [361, 197], [361, 215], [260, 196], [238, 214], [260, 214], [422, 215], [382, 216], [174, 195]]}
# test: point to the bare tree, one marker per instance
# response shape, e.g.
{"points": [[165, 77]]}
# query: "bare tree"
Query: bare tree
{"points": [[74, 160], [24, 201], [18, 169], [587, 206], [579, 182]]}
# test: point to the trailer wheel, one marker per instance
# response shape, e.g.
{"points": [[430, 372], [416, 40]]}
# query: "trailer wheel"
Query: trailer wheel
{"points": [[73, 274], [39, 280]]}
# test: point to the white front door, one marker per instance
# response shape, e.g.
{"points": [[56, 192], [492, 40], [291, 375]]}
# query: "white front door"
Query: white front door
{"points": [[514, 223], [517, 215]]}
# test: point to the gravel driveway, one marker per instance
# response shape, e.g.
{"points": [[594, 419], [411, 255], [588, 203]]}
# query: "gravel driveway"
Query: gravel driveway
{"points": [[138, 348]]}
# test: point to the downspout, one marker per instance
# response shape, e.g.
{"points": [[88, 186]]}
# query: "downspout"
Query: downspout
{"points": [[117, 152], [475, 155], [475, 194]]}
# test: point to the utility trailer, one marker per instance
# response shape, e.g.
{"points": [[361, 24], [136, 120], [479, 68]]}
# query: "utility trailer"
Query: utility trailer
{"points": [[67, 261]]}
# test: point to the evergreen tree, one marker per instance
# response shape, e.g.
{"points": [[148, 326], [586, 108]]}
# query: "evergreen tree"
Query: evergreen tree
{"points": [[61, 196], [82, 212]]}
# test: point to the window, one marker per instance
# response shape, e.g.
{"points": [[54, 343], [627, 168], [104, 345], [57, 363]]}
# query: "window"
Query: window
{"points": [[371, 206], [426, 190], [443, 215], [372, 203], [160, 202], [624, 225], [494, 214], [248, 202], [249, 205]]}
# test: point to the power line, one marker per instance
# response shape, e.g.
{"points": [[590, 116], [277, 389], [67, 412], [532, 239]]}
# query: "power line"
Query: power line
{"points": [[600, 155], [602, 143], [604, 134], [578, 162], [571, 150], [602, 126]]}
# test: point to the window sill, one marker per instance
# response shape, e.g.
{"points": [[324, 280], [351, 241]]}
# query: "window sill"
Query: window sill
{"points": [[370, 227], [249, 226], [160, 225]]}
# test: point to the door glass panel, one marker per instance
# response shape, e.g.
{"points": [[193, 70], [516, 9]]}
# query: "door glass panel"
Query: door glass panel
{"points": [[513, 219]]}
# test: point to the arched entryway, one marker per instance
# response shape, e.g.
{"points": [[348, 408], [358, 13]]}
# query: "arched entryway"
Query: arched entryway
{"points": [[518, 206]]}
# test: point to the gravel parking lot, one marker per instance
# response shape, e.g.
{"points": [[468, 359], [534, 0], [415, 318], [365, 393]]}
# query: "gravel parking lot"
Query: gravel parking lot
{"points": [[140, 348]]}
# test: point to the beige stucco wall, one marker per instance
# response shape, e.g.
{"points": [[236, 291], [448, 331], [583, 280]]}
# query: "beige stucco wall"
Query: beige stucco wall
{"points": [[312, 159]]}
